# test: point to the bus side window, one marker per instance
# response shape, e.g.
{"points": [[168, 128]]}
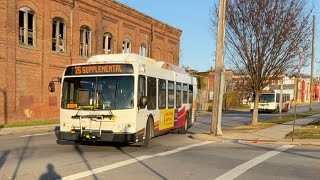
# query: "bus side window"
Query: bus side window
{"points": [[151, 93], [178, 95], [141, 87], [170, 94], [190, 94], [162, 100], [185, 93]]}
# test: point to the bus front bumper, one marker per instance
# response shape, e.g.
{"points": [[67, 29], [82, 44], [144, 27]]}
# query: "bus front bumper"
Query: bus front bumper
{"points": [[95, 136]]}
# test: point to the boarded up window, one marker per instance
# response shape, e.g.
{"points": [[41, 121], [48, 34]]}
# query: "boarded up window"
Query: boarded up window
{"points": [[53, 101], [26, 101]]}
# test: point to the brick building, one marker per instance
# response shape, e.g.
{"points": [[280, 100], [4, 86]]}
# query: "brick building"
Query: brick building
{"points": [[39, 38]]}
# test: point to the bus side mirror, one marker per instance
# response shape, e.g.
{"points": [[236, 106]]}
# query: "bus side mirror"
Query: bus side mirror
{"points": [[143, 101], [51, 86]]}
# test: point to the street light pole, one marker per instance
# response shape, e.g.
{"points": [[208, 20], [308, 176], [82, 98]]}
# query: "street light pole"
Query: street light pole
{"points": [[218, 89], [312, 64], [281, 96]]}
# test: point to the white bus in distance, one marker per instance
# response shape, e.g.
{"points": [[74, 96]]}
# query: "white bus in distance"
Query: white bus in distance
{"points": [[269, 101], [124, 98]]}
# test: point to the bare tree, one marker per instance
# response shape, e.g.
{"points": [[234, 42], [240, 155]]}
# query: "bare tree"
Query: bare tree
{"points": [[263, 39]]}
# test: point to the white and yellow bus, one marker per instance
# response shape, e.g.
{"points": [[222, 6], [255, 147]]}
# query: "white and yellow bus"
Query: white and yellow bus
{"points": [[269, 101], [125, 98]]}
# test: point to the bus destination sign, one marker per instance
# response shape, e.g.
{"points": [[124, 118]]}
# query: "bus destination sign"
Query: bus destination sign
{"points": [[99, 69]]}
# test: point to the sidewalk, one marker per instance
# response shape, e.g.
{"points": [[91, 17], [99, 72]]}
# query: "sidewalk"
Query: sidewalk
{"points": [[275, 134], [29, 129]]}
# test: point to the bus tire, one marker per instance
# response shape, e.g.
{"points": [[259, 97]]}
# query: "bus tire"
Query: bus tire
{"points": [[184, 129], [148, 133], [277, 110]]}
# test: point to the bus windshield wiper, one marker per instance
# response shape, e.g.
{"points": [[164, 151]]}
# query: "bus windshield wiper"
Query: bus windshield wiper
{"points": [[100, 97]]}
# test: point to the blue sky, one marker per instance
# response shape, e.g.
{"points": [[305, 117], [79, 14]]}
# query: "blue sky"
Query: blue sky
{"points": [[192, 17], [197, 42]]}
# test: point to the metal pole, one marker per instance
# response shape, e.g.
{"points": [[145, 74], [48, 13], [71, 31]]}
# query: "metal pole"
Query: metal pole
{"points": [[318, 85], [216, 111], [281, 98], [312, 64], [295, 106], [222, 84]]}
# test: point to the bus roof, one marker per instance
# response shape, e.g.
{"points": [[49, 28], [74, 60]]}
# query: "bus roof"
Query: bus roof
{"points": [[131, 57]]}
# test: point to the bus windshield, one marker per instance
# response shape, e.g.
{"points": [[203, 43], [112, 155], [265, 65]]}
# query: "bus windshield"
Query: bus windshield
{"points": [[266, 98], [104, 93]]}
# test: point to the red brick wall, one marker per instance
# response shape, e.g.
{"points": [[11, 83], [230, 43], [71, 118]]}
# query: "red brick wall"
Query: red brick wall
{"points": [[26, 71], [2, 60]]}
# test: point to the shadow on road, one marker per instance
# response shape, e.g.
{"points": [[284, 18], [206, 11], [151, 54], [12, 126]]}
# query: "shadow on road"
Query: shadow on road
{"points": [[50, 174], [142, 163], [3, 158], [79, 149], [22, 156], [86, 162], [236, 111]]}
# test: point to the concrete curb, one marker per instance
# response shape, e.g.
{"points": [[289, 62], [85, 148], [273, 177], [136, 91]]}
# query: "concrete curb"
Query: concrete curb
{"points": [[29, 129], [298, 142]]}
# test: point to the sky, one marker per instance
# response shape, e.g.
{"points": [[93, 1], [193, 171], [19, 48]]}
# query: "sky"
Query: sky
{"points": [[197, 43], [192, 17]]}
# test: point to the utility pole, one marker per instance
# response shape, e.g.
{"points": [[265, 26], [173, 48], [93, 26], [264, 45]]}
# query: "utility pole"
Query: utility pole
{"points": [[281, 98], [312, 63], [296, 89], [218, 89]]}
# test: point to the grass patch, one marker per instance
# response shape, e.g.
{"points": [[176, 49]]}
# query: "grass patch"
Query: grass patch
{"points": [[245, 106], [272, 122], [310, 131], [31, 123]]}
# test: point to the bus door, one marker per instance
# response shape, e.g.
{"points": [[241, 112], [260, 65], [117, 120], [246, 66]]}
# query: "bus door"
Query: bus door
{"points": [[146, 87]]}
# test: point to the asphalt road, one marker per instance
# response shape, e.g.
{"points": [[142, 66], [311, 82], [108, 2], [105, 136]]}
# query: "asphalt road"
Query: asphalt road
{"points": [[236, 118], [171, 156]]}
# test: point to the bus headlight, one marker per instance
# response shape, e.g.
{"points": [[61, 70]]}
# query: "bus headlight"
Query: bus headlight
{"points": [[124, 127], [69, 127]]}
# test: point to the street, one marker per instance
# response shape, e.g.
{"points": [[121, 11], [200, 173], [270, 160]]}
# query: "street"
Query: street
{"points": [[232, 118], [39, 156], [171, 156], [76, 72]]}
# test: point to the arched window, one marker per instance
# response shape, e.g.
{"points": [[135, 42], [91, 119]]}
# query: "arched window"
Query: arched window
{"points": [[171, 58], [157, 54], [85, 41], [126, 46], [143, 50], [107, 43], [58, 35], [27, 32]]}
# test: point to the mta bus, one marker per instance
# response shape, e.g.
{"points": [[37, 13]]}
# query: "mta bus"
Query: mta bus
{"points": [[124, 98], [269, 101]]}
